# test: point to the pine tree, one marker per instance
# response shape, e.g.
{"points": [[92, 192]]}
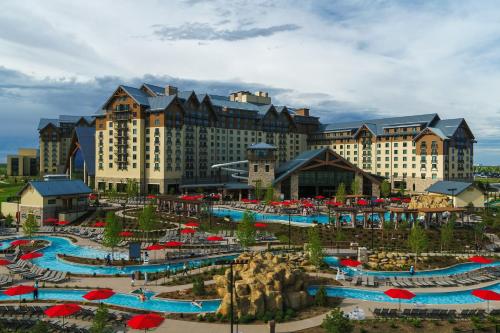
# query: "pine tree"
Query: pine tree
{"points": [[314, 247], [385, 189], [100, 323], [417, 240], [340, 196]]}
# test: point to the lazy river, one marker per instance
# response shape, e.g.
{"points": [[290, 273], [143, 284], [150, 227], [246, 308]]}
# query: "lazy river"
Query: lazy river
{"points": [[123, 300], [455, 269], [60, 245], [452, 297], [237, 215]]}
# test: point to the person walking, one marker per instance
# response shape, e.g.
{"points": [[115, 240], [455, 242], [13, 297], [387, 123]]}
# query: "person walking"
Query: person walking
{"points": [[132, 279], [185, 270], [35, 291], [145, 278]]}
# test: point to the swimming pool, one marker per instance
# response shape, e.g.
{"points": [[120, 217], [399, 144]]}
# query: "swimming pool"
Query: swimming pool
{"points": [[60, 245], [456, 269], [124, 300], [452, 297], [237, 215]]}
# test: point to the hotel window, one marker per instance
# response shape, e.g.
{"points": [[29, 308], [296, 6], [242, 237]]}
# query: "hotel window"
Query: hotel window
{"points": [[422, 175], [110, 165], [134, 165], [395, 151], [255, 168]]}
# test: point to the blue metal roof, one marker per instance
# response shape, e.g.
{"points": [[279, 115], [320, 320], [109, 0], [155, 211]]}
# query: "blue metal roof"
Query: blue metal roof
{"points": [[58, 187], [449, 126], [155, 89], [44, 122], [137, 94], [86, 139], [289, 167], [445, 186]]}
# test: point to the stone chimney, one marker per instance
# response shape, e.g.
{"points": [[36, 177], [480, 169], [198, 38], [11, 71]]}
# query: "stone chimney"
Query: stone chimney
{"points": [[170, 90], [302, 112]]}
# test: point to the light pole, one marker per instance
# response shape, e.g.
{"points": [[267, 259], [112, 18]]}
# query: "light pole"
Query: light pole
{"points": [[371, 219], [289, 212]]}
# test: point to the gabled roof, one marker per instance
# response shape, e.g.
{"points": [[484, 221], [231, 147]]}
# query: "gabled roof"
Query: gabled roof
{"points": [[137, 94], [44, 122], [445, 187], [58, 187], [289, 167], [449, 126], [154, 89], [261, 145], [160, 102], [378, 125], [86, 140]]}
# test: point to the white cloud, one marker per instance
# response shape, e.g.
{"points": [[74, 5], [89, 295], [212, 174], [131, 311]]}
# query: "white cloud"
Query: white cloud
{"points": [[377, 57]]}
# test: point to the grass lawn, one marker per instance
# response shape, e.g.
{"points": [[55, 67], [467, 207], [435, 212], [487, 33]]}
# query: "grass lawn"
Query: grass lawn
{"points": [[9, 189], [488, 180]]}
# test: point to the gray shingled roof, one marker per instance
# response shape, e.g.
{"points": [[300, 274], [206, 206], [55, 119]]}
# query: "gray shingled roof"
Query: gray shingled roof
{"points": [[289, 167], [58, 187], [261, 145], [377, 125], [445, 186]]}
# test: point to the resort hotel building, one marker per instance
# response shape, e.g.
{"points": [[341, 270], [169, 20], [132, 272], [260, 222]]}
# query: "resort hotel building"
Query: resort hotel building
{"points": [[168, 140]]}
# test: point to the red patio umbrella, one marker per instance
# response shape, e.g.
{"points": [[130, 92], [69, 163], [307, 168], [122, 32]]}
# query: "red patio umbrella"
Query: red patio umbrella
{"points": [[31, 255], [275, 203], [4, 262], [487, 295], [480, 260], [245, 200], [350, 262], [62, 310], [399, 294], [62, 222], [260, 225], [92, 196], [192, 224], [215, 238], [151, 197], [187, 231], [155, 247], [99, 224], [98, 294], [173, 244], [20, 242], [395, 199], [362, 202], [319, 197], [308, 204], [145, 321], [406, 200], [126, 234], [19, 290], [378, 201]]}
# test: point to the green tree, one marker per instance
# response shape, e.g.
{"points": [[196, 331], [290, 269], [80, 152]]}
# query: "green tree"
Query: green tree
{"points": [[9, 220], [147, 220], [356, 186], [269, 195], [100, 323], [417, 240], [337, 322], [30, 226], [402, 189], [314, 247], [479, 229], [40, 327], [198, 286], [321, 298], [340, 195], [385, 189], [446, 232], [132, 188], [112, 230], [246, 229]]}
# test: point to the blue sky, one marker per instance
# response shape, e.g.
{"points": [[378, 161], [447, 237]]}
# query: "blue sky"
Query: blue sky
{"points": [[343, 59]]}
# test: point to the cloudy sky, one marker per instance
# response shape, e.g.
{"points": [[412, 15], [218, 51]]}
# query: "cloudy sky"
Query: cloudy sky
{"points": [[343, 59]]}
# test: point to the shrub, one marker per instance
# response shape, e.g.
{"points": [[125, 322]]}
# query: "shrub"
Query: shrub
{"points": [[321, 299], [268, 316], [210, 317], [336, 322], [198, 287], [245, 319], [290, 312], [417, 323]]}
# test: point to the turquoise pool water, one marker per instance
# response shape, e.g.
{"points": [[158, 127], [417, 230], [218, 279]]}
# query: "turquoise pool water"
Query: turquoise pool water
{"points": [[453, 297], [63, 245], [456, 269], [125, 300], [237, 215]]}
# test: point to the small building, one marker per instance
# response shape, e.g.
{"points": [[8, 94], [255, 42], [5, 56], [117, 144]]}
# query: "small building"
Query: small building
{"points": [[62, 199], [24, 164], [461, 193]]}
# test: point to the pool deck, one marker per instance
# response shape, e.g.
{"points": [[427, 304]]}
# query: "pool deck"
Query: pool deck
{"points": [[123, 285]]}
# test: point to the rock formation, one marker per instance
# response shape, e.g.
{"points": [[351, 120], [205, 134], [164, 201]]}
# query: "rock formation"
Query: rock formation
{"points": [[266, 283], [429, 201]]}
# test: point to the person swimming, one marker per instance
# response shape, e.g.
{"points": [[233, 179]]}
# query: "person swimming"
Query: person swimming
{"points": [[197, 304]]}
